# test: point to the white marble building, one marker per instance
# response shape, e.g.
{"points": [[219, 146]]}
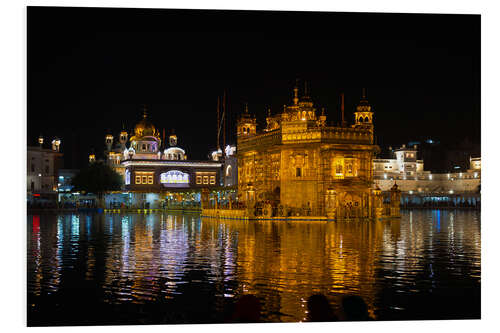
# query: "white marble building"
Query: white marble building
{"points": [[409, 174]]}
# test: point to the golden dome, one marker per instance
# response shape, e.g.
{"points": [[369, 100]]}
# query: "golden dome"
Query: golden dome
{"points": [[145, 128]]}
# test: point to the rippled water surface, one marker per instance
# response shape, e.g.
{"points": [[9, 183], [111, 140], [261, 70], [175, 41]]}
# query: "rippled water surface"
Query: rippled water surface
{"points": [[160, 268]]}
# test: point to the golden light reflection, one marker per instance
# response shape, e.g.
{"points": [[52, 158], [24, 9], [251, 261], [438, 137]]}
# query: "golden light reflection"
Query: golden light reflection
{"points": [[152, 257]]}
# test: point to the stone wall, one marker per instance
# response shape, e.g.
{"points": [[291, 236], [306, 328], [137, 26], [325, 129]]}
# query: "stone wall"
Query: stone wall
{"points": [[225, 213]]}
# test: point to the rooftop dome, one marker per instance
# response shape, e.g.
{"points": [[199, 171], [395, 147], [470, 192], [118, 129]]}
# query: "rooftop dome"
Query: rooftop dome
{"points": [[145, 127]]}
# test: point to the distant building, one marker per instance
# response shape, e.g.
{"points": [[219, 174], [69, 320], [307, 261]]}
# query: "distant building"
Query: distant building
{"points": [[42, 170], [229, 171], [404, 165], [230, 167], [154, 173], [64, 179], [419, 187]]}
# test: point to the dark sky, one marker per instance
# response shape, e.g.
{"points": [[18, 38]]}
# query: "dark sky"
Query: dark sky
{"points": [[91, 70]]}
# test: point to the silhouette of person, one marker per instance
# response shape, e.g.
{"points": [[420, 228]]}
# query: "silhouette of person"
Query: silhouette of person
{"points": [[355, 308], [247, 310], [319, 309]]}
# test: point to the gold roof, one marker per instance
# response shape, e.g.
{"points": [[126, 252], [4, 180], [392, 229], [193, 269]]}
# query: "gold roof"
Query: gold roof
{"points": [[145, 128]]}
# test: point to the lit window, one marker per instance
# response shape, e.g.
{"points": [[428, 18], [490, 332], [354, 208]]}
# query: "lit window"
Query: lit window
{"points": [[137, 179], [144, 179], [150, 179], [198, 179], [212, 180], [298, 172], [338, 169], [205, 179], [348, 167]]}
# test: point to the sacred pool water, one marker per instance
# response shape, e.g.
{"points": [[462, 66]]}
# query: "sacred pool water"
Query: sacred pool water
{"points": [[167, 268]]}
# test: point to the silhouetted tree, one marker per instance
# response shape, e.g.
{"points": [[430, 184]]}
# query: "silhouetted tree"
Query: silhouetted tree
{"points": [[97, 178]]}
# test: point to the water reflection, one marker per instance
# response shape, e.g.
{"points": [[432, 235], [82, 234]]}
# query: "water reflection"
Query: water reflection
{"points": [[201, 265]]}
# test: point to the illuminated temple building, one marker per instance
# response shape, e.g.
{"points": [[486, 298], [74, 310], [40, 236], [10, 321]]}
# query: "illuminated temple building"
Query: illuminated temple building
{"points": [[152, 171], [308, 167]]}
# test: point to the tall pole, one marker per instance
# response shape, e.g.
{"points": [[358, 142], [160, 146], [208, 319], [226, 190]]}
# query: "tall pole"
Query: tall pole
{"points": [[224, 123], [218, 124], [342, 108], [163, 141]]}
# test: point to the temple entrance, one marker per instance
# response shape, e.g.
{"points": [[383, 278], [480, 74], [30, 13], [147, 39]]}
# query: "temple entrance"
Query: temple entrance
{"points": [[350, 206]]}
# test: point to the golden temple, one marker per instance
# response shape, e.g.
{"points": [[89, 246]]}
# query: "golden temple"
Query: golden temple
{"points": [[300, 166]]}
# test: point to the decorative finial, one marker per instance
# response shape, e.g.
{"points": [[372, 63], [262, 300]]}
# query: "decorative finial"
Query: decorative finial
{"points": [[144, 111], [306, 90], [364, 93], [246, 107], [322, 111], [268, 111]]}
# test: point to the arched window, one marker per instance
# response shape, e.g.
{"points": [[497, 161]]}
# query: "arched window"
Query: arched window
{"points": [[366, 120], [228, 171], [360, 119]]}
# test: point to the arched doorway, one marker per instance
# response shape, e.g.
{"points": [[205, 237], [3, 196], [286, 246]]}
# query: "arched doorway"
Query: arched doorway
{"points": [[350, 205]]}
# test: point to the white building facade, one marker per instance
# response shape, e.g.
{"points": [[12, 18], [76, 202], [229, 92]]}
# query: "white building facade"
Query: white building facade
{"points": [[410, 176], [42, 170]]}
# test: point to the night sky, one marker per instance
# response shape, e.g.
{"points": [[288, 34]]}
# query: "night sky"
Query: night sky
{"points": [[91, 70]]}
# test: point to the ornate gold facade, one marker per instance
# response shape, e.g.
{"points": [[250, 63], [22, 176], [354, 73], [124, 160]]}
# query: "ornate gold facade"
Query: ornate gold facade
{"points": [[304, 166]]}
